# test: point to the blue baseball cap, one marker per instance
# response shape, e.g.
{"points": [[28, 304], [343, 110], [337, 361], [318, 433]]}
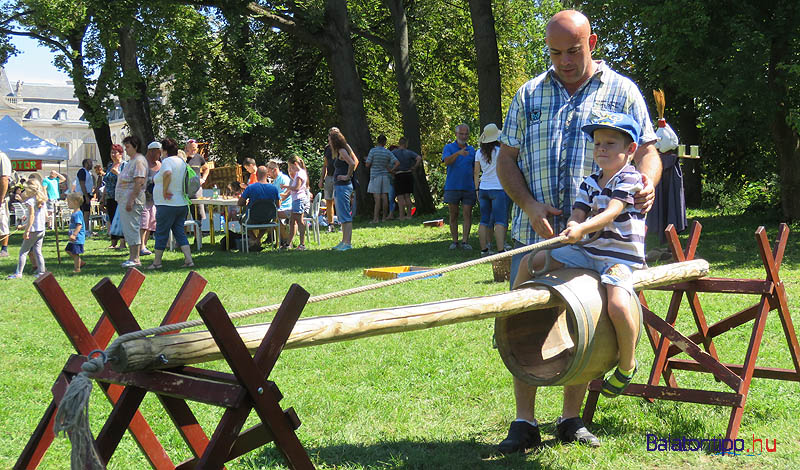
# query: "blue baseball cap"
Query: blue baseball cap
{"points": [[618, 121]]}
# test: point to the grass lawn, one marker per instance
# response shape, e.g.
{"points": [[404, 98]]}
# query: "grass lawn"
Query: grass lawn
{"points": [[432, 399]]}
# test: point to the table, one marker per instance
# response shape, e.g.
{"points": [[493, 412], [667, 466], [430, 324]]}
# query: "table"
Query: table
{"points": [[222, 203]]}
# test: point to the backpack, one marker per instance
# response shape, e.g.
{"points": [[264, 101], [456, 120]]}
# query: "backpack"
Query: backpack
{"points": [[191, 183]]}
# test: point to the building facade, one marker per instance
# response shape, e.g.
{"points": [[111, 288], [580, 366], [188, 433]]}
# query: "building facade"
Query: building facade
{"points": [[51, 113]]}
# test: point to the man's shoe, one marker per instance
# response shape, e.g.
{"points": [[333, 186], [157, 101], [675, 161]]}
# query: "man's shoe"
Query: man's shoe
{"points": [[466, 246], [521, 436], [3, 254], [573, 430], [453, 245]]}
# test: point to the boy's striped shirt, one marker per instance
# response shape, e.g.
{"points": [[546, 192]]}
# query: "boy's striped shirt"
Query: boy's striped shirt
{"points": [[621, 241]]}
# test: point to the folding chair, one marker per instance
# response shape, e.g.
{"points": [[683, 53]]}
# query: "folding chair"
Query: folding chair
{"points": [[260, 214], [313, 220]]}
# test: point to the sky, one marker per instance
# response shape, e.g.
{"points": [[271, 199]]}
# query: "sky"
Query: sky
{"points": [[34, 63]]}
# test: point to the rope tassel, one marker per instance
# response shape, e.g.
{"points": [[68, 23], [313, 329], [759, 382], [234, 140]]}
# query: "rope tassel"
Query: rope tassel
{"points": [[72, 418]]}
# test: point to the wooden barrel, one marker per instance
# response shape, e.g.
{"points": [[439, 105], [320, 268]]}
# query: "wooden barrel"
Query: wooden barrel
{"points": [[562, 346]]}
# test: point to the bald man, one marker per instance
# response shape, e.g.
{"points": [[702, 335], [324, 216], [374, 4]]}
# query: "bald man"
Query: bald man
{"points": [[543, 158]]}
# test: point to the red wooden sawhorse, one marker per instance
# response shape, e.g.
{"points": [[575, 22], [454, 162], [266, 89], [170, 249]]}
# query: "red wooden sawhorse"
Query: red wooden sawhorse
{"points": [[667, 342], [240, 392]]}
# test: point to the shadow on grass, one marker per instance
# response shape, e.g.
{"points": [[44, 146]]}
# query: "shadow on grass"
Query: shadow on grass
{"points": [[404, 454]]}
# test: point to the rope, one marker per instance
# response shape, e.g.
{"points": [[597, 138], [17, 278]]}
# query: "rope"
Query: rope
{"points": [[72, 416]]}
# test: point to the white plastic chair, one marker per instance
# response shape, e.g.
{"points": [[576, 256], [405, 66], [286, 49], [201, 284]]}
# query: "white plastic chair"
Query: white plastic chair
{"points": [[20, 213], [198, 234], [266, 210], [313, 221]]}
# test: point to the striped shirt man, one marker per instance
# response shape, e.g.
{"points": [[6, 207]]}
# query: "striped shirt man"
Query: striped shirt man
{"points": [[544, 122], [621, 241]]}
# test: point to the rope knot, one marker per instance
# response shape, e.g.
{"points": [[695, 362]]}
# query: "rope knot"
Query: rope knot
{"points": [[72, 417]]}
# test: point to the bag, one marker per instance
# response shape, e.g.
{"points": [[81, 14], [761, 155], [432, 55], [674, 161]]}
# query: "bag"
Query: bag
{"points": [[191, 184], [115, 228]]}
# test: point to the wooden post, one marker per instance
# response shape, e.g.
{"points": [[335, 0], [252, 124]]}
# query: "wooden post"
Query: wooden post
{"points": [[197, 347]]}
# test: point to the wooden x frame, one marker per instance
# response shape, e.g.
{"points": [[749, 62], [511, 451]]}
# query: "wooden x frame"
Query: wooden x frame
{"points": [[84, 342], [240, 392], [667, 342]]}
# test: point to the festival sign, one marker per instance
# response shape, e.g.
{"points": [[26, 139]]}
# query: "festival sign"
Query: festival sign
{"points": [[26, 165]]}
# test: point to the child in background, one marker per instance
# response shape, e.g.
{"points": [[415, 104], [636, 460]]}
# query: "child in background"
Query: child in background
{"points": [[298, 188], [77, 232], [249, 166], [35, 197], [233, 191]]}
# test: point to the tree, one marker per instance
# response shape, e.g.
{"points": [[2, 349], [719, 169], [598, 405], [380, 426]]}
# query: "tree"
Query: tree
{"points": [[488, 62], [742, 91], [68, 28]]}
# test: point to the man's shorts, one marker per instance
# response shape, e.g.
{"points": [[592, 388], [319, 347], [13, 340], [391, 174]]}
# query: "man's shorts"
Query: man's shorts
{"points": [[86, 205], [403, 183], [379, 184], [455, 196], [4, 220], [148, 221], [328, 188], [611, 272]]}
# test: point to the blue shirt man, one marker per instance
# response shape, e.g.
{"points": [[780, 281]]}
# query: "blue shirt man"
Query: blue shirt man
{"points": [[459, 187]]}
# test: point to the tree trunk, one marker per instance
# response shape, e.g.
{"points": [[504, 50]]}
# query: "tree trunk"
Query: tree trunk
{"points": [[408, 102], [487, 61], [133, 90], [787, 145], [349, 97], [102, 135]]}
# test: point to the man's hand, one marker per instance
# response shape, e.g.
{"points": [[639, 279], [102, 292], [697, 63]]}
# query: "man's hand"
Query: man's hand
{"points": [[167, 195], [538, 215], [129, 206], [643, 200], [27, 234]]}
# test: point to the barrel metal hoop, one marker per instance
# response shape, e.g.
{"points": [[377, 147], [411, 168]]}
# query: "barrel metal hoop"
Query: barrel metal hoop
{"points": [[584, 329]]}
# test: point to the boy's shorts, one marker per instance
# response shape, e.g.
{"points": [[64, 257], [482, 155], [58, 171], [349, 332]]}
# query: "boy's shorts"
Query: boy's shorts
{"points": [[612, 273], [74, 248]]}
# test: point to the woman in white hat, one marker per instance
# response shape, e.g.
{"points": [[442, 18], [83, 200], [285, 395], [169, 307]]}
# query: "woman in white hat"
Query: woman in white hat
{"points": [[493, 199]]}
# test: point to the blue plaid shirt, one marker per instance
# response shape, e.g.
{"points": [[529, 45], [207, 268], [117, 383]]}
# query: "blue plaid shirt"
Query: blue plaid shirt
{"points": [[544, 122]]}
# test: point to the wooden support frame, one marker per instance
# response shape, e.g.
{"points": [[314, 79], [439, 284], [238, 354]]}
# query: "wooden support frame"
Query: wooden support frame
{"points": [[245, 390], [667, 342]]}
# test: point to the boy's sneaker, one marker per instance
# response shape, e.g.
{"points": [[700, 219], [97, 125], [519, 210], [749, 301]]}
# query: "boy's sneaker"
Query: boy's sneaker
{"points": [[14, 276], [521, 436], [573, 430], [454, 245], [3, 253], [344, 247], [466, 246]]}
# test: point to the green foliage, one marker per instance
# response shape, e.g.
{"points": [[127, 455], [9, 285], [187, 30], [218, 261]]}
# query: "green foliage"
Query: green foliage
{"points": [[715, 60], [734, 197]]}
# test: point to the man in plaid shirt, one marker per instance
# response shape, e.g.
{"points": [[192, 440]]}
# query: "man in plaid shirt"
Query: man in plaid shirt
{"points": [[543, 159]]}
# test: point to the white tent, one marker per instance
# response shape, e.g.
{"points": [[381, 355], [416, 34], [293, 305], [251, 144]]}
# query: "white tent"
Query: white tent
{"points": [[19, 144]]}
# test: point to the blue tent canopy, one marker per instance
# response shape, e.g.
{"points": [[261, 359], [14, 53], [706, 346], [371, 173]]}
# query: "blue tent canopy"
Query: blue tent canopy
{"points": [[19, 144]]}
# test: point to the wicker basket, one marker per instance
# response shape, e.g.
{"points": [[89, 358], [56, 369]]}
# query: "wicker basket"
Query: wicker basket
{"points": [[501, 269]]}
